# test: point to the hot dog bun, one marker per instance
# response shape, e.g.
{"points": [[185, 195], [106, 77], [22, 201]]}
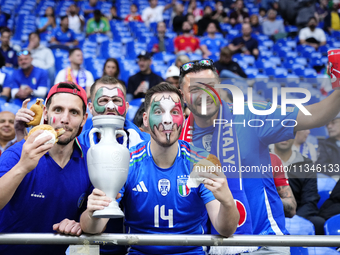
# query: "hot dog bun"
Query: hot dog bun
{"points": [[37, 108], [48, 131]]}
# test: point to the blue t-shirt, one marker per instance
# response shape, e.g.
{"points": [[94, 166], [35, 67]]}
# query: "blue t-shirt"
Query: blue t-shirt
{"points": [[266, 210], [213, 45], [10, 56], [47, 195], [168, 44], [157, 200], [63, 37], [37, 78]]}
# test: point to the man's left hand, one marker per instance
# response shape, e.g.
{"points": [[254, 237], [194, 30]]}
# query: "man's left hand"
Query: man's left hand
{"points": [[68, 227]]}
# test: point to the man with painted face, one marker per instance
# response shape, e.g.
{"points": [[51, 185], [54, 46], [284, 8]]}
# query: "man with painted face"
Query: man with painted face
{"points": [[244, 146], [108, 97], [155, 195]]}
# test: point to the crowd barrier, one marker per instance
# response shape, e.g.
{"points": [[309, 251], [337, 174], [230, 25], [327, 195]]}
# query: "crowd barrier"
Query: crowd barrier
{"points": [[176, 240]]}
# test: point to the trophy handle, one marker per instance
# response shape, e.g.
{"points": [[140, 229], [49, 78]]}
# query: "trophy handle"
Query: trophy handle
{"points": [[121, 132], [93, 130]]}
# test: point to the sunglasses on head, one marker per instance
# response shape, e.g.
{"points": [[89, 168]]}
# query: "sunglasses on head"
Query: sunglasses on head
{"points": [[203, 62], [23, 52]]}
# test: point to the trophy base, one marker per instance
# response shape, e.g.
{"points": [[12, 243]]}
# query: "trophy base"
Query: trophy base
{"points": [[112, 213]]}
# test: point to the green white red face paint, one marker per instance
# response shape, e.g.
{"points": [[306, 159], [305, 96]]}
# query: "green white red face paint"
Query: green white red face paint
{"points": [[109, 99], [166, 115]]}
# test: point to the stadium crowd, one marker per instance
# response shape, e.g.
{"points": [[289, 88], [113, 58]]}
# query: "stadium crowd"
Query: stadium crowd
{"points": [[146, 49]]}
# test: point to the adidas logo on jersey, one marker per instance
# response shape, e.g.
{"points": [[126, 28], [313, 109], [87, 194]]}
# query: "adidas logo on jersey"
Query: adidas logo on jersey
{"points": [[140, 187]]}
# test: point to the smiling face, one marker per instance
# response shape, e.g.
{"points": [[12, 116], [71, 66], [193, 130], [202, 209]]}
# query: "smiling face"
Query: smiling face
{"points": [[193, 92], [7, 132], [65, 111], [165, 118], [109, 100]]}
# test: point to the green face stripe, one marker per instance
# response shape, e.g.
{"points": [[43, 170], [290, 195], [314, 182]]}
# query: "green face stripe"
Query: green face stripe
{"points": [[155, 119], [98, 108], [209, 94]]}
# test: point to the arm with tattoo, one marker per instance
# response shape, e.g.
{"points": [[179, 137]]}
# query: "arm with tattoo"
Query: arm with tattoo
{"points": [[288, 200]]}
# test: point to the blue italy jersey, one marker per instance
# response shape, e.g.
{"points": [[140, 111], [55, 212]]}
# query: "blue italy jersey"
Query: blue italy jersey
{"points": [[213, 45], [158, 201], [267, 209], [47, 195], [37, 78], [63, 37]]}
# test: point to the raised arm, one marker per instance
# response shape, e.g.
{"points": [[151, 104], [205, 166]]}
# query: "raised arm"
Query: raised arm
{"points": [[222, 212]]}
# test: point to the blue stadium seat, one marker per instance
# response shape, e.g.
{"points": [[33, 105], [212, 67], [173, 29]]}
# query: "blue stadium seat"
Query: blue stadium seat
{"points": [[299, 226], [332, 225], [251, 72], [323, 49], [11, 107], [275, 60], [325, 186]]}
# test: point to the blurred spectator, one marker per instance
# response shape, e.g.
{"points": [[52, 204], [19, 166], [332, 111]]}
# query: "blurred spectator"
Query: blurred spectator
{"points": [[331, 206], [273, 27], [312, 35], [226, 67], [332, 20], [181, 60], [113, 14], [133, 15], [47, 22], [160, 42], [63, 36], [303, 183], [219, 14], [172, 76], [111, 68], [7, 131], [192, 22], [154, 13], [262, 15], [3, 19], [282, 186], [194, 10], [329, 149], [211, 44], [322, 10], [255, 24], [28, 81], [76, 73], [306, 10], [6, 51], [306, 149], [276, 7], [206, 20], [139, 83], [178, 20], [187, 43], [239, 15], [246, 43], [138, 119], [89, 7], [98, 24], [42, 56], [76, 21]]}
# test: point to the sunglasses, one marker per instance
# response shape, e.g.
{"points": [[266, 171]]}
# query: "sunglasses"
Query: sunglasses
{"points": [[23, 52], [203, 62]]}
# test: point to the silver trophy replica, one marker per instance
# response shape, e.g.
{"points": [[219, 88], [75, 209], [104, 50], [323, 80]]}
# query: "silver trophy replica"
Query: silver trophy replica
{"points": [[108, 162]]}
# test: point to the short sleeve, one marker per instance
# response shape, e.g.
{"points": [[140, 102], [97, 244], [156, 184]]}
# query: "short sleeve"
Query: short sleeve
{"points": [[206, 195]]}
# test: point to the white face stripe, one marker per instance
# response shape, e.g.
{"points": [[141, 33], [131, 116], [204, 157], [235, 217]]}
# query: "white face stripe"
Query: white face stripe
{"points": [[167, 105], [110, 92], [110, 105]]}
